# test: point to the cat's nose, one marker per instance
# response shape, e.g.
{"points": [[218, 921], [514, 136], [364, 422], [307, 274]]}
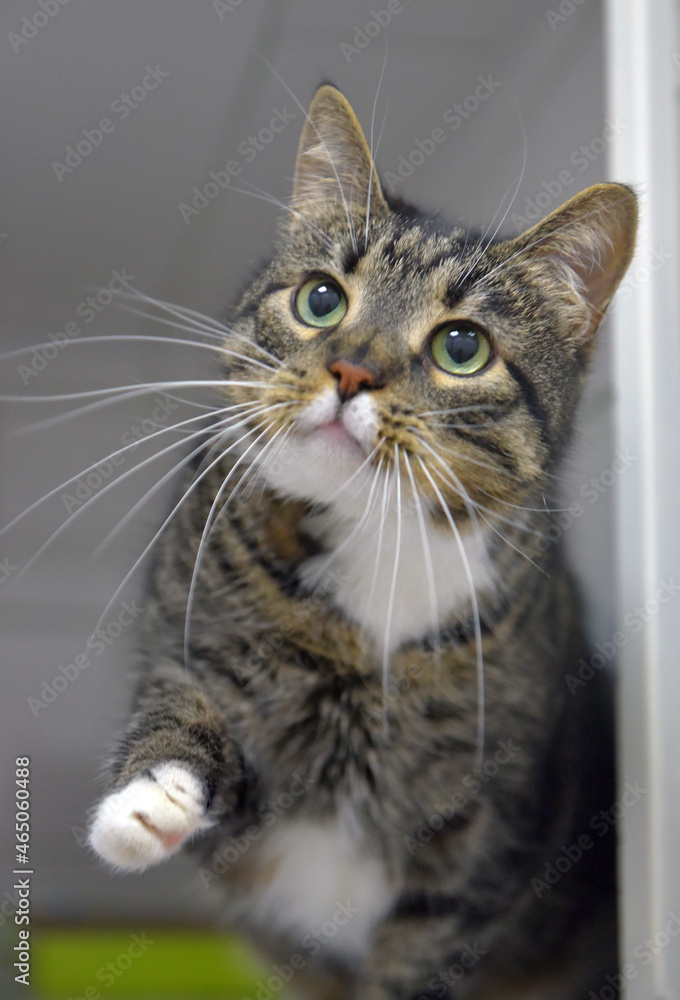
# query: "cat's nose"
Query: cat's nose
{"points": [[352, 378]]}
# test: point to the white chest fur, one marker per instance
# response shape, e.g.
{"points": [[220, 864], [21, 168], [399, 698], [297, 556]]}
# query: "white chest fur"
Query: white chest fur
{"points": [[399, 577], [321, 889]]}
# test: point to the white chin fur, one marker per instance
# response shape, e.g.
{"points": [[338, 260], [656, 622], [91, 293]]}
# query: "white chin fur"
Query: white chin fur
{"points": [[430, 583]]}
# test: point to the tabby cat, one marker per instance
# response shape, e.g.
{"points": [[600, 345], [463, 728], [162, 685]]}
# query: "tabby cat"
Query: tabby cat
{"points": [[356, 641]]}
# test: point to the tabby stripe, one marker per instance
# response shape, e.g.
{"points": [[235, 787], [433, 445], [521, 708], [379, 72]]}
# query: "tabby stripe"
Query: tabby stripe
{"points": [[533, 404], [426, 904], [352, 258], [484, 444], [270, 288]]}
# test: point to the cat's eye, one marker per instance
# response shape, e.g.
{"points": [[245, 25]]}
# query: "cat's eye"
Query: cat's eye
{"points": [[321, 302], [460, 349]]}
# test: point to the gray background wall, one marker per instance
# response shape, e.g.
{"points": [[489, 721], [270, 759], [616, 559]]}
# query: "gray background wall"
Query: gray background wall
{"points": [[119, 209]]}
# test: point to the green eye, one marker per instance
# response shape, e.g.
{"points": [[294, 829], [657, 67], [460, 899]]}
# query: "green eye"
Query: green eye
{"points": [[459, 349], [321, 302]]}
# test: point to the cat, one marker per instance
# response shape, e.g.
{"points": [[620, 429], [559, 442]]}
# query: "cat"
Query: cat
{"points": [[356, 640]]}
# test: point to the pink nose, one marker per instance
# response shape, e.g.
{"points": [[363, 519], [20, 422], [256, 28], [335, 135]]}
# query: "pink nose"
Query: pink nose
{"points": [[351, 378]]}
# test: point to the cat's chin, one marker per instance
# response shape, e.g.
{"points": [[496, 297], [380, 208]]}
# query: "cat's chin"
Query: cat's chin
{"points": [[333, 439], [317, 466]]}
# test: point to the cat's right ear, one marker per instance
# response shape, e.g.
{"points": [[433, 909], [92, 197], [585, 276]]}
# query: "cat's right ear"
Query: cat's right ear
{"points": [[334, 163]]}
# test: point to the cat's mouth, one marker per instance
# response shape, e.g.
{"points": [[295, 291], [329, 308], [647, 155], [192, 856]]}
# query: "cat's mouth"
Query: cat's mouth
{"points": [[338, 437], [343, 429]]}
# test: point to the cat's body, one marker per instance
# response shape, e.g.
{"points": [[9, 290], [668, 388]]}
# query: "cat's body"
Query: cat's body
{"points": [[371, 731]]}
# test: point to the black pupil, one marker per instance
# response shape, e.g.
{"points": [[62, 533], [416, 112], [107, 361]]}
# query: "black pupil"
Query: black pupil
{"points": [[323, 299], [462, 345]]}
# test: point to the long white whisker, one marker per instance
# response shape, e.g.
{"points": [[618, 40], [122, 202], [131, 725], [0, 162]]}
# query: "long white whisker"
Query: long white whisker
{"points": [[427, 556], [209, 524], [223, 429], [475, 614], [222, 350], [395, 569], [264, 196], [149, 386], [483, 246], [187, 493], [325, 147], [60, 418], [362, 520], [372, 152], [97, 496], [106, 458]]}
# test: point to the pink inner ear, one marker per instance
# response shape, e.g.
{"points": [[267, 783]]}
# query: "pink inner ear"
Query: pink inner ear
{"points": [[599, 272]]}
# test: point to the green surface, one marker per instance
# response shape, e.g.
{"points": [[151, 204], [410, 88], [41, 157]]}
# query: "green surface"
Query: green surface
{"points": [[95, 965]]}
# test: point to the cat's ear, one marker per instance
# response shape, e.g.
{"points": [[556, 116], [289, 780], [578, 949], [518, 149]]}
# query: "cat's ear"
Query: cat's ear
{"points": [[334, 162], [590, 241]]}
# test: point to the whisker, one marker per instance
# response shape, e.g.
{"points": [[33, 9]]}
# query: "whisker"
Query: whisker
{"points": [[483, 246], [201, 322], [207, 528], [150, 386], [224, 429], [187, 493], [106, 458], [448, 449], [368, 509], [60, 418], [125, 336], [480, 511], [222, 350], [325, 147], [265, 196], [86, 506], [427, 556], [395, 569], [475, 615], [373, 153]]}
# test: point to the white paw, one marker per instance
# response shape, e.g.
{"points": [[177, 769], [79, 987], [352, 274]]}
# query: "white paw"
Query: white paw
{"points": [[149, 820]]}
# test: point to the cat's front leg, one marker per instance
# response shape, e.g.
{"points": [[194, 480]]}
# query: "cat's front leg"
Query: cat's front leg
{"points": [[427, 956], [173, 773]]}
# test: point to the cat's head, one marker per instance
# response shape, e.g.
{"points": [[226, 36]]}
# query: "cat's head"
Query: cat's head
{"points": [[386, 340]]}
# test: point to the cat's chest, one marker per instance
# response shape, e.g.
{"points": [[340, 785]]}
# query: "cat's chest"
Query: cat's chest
{"points": [[397, 577], [317, 883]]}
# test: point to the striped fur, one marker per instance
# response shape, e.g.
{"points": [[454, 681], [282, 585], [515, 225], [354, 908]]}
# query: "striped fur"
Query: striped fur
{"points": [[319, 662]]}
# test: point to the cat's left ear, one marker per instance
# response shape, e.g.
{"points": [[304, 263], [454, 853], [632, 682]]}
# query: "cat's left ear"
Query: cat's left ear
{"points": [[590, 241], [334, 162]]}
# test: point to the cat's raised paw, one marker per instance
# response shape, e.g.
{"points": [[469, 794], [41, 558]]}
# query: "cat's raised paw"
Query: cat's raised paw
{"points": [[148, 820]]}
